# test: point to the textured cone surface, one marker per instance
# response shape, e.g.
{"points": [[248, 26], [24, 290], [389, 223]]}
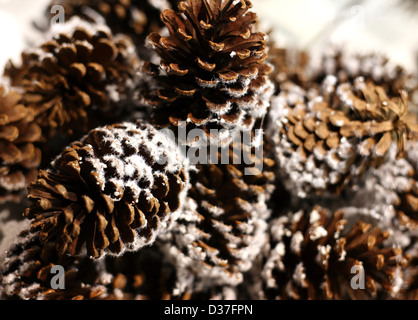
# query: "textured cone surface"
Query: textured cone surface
{"points": [[136, 18], [410, 290], [398, 178], [143, 275], [81, 78], [112, 191], [215, 61], [374, 67], [27, 272], [223, 226], [324, 142], [289, 65], [19, 152], [313, 252], [147, 275]]}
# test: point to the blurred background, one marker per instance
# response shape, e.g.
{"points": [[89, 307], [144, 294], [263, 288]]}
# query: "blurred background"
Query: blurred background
{"points": [[386, 26]]}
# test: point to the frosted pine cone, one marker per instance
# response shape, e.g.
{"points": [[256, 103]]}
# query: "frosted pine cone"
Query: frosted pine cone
{"points": [[147, 275], [375, 67], [410, 290], [313, 253], [81, 78], [19, 152], [136, 18], [143, 275], [398, 180], [212, 73], [223, 226], [324, 142], [26, 273], [113, 191]]}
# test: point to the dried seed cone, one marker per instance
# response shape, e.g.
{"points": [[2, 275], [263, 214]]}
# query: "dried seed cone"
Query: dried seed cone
{"points": [[26, 273], [313, 254], [148, 275], [223, 226], [81, 78], [398, 180], [375, 67], [410, 290], [19, 152], [136, 18], [113, 191], [324, 142], [290, 64], [142, 275], [212, 72]]}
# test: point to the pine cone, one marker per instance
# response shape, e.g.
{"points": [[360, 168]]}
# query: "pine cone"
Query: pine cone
{"points": [[375, 67], [81, 78], [143, 275], [26, 273], [399, 180], [410, 291], [407, 206], [323, 143], [147, 275], [216, 62], [313, 252], [290, 64], [223, 225], [113, 191], [19, 152], [136, 18]]}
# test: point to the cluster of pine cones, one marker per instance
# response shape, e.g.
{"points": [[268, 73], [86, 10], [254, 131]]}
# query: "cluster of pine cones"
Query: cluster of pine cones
{"points": [[115, 201]]}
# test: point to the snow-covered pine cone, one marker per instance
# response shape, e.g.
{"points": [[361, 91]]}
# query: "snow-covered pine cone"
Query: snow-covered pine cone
{"points": [[80, 78], [147, 274], [313, 252], [223, 225], [212, 73], [398, 183], [324, 142], [410, 289], [26, 272], [19, 152], [136, 18], [115, 190]]}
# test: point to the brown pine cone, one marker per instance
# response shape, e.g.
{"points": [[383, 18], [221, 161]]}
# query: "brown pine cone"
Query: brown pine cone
{"points": [[322, 143], [143, 275], [147, 275], [410, 290], [212, 73], [290, 64], [19, 152], [398, 180], [26, 273], [81, 78], [313, 254], [113, 191], [375, 67], [223, 226], [136, 18]]}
